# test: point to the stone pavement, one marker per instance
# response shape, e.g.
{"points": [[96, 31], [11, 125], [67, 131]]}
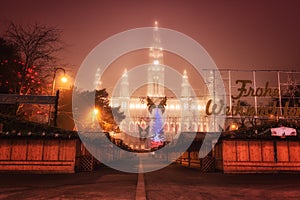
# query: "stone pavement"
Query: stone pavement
{"points": [[172, 182], [105, 183], [177, 182]]}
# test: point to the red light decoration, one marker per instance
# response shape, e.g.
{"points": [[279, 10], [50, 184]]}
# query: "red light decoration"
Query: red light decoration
{"points": [[156, 144]]}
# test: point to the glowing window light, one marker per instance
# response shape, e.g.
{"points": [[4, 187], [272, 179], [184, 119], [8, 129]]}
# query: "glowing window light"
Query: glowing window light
{"points": [[172, 106], [177, 107], [124, 105], [132, 106], [200, 107], [156, 62]]}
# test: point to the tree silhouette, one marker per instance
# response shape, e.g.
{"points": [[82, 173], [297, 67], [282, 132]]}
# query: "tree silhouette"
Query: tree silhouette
{"points": [[37, 46], [27, 55], [110, 117], [107, 117], [9, 67]]}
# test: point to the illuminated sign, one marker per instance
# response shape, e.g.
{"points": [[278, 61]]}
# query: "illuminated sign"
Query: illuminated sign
{"points": [[258, 92], [245, 90]]}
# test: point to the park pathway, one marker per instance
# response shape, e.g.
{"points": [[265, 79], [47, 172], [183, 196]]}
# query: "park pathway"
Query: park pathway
{"points": [[172, 182]]}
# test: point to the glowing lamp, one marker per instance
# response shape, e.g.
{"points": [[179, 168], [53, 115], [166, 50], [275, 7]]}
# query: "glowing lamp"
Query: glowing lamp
{"points": [[96, 111], [234, 127], [64, 79]]}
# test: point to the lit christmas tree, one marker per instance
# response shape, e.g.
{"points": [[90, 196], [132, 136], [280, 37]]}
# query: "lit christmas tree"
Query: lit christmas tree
{"points": [[157, 122]]}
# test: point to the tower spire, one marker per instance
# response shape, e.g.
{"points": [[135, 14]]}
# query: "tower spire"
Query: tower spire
{"points": [[185, 85], [156, 70], [155, 24], [124, 91]]}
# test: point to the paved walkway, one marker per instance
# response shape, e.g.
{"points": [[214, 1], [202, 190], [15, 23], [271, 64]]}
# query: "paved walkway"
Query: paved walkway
{"points": [[173, 182], [105, 183], [177, 182]]}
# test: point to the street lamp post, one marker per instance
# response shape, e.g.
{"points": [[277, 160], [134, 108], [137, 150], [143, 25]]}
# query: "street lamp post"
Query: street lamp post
{"points": [[64, 80]]}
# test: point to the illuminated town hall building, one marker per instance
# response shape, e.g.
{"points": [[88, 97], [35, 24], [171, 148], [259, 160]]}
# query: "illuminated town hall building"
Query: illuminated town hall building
{"points": [[178, 111], [181, 112]]}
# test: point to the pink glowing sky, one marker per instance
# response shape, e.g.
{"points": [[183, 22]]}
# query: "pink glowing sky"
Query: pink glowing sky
{"points": [[237, 34]]}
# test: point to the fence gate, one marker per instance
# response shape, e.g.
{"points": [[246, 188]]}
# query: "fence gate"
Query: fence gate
{"points": [[86, 163], [86, 160], [207, 164]]}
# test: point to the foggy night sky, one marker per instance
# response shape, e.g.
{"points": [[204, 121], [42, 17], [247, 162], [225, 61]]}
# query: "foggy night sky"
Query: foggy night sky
{"points": [[237, 34]]}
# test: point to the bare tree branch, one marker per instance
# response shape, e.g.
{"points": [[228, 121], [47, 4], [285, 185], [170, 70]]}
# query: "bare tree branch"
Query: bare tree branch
{"points": [[37, 45]]}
